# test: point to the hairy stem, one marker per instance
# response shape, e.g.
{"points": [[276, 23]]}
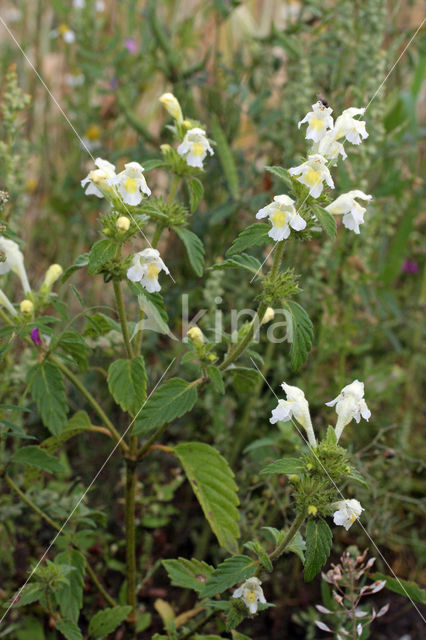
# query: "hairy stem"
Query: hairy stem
{"points": [[122, 316], [57, 526], [289, 537], [130, 535]]}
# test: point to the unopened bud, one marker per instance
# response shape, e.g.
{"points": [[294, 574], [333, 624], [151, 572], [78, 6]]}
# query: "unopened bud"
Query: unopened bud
{"points": [[196, 336], [187, 124], [122, 224], [268, 316], [26, 307], [293, 478], [312, 510], [53, 273], [171, 103], [164, 148]]}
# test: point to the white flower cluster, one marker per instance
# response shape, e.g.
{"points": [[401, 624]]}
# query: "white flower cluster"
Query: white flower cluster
{"points": [[350, 404], [195, 144], [326, 136], [129, 184]]}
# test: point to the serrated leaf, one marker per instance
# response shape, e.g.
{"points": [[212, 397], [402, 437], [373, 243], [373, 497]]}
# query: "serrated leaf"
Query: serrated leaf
{"points": [[257, 548], [326, 220], [33, 456], [255, 235], [99, 324], [300, 333], [226, 157], [229, 573], [318, 545], [30, 593], [196, 192], [127, 383], [107, 620], [47, 388], [75, 345], [297, 546], [243, 261], [245, 378], [79, 263], [69, 629], [287, 465], [403, 587], [216, 378], [194, 248], [102, 252], [234, 617], [281, 173], [189, 574], [70, 596], [171, 400], [212, 482]]}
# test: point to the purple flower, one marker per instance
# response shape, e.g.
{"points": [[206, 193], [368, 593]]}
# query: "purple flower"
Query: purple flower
{"points": [[131, 45], [36, 337], [410, 266]]}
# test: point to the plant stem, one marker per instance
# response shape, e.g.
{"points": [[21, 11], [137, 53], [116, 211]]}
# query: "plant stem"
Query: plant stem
{"points": [[199, 625], [242, 345], [289, 537], [58, 527], [91, 400], [156, 237], [122, 315], [173, 189], [130, 535]]}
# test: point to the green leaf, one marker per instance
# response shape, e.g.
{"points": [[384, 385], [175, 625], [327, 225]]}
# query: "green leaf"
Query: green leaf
{"points": [[403, 587], [331, 437], [297, 546], [243, 261], [216, 378], [318, 545], [171, 400], [354, 474], [30, 593], [194, 248], [99, 324], [102, 252], [69, 629], [47, 388], [189, 574], [245, 378], [285, 465], [153, 163], [399, 245], [300, 333], [229, 573], [212, 482], [226, 158], [76, 346], [80, 262], [33, 456], [78, 423], [326, 220], [261, 553], [152, 305], [282, 174], [127, 383], [70, 596], [255, 235], [196, 192], [107, 620]]}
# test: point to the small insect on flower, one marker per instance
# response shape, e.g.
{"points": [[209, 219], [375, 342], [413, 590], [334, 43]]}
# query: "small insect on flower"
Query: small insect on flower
{"points": [[99, 179], [251, 593], [347, 511], [194, 147], [13, 260], [131, 183], [346, 205], [318, 121], [282, 215], [295, 406], [350, 404], [312, 174], [146, 266], [347, 127]]}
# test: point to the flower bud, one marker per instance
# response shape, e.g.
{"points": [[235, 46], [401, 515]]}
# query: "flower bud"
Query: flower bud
{"points": [[53, 273], [122, 224], [196, 336], [268, 316], [187, 124], [26, 307], [312, 510], [164, 148], [170, 102]]}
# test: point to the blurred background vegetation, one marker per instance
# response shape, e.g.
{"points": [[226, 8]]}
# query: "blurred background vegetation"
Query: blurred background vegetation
{"points": [[250, 71]]}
